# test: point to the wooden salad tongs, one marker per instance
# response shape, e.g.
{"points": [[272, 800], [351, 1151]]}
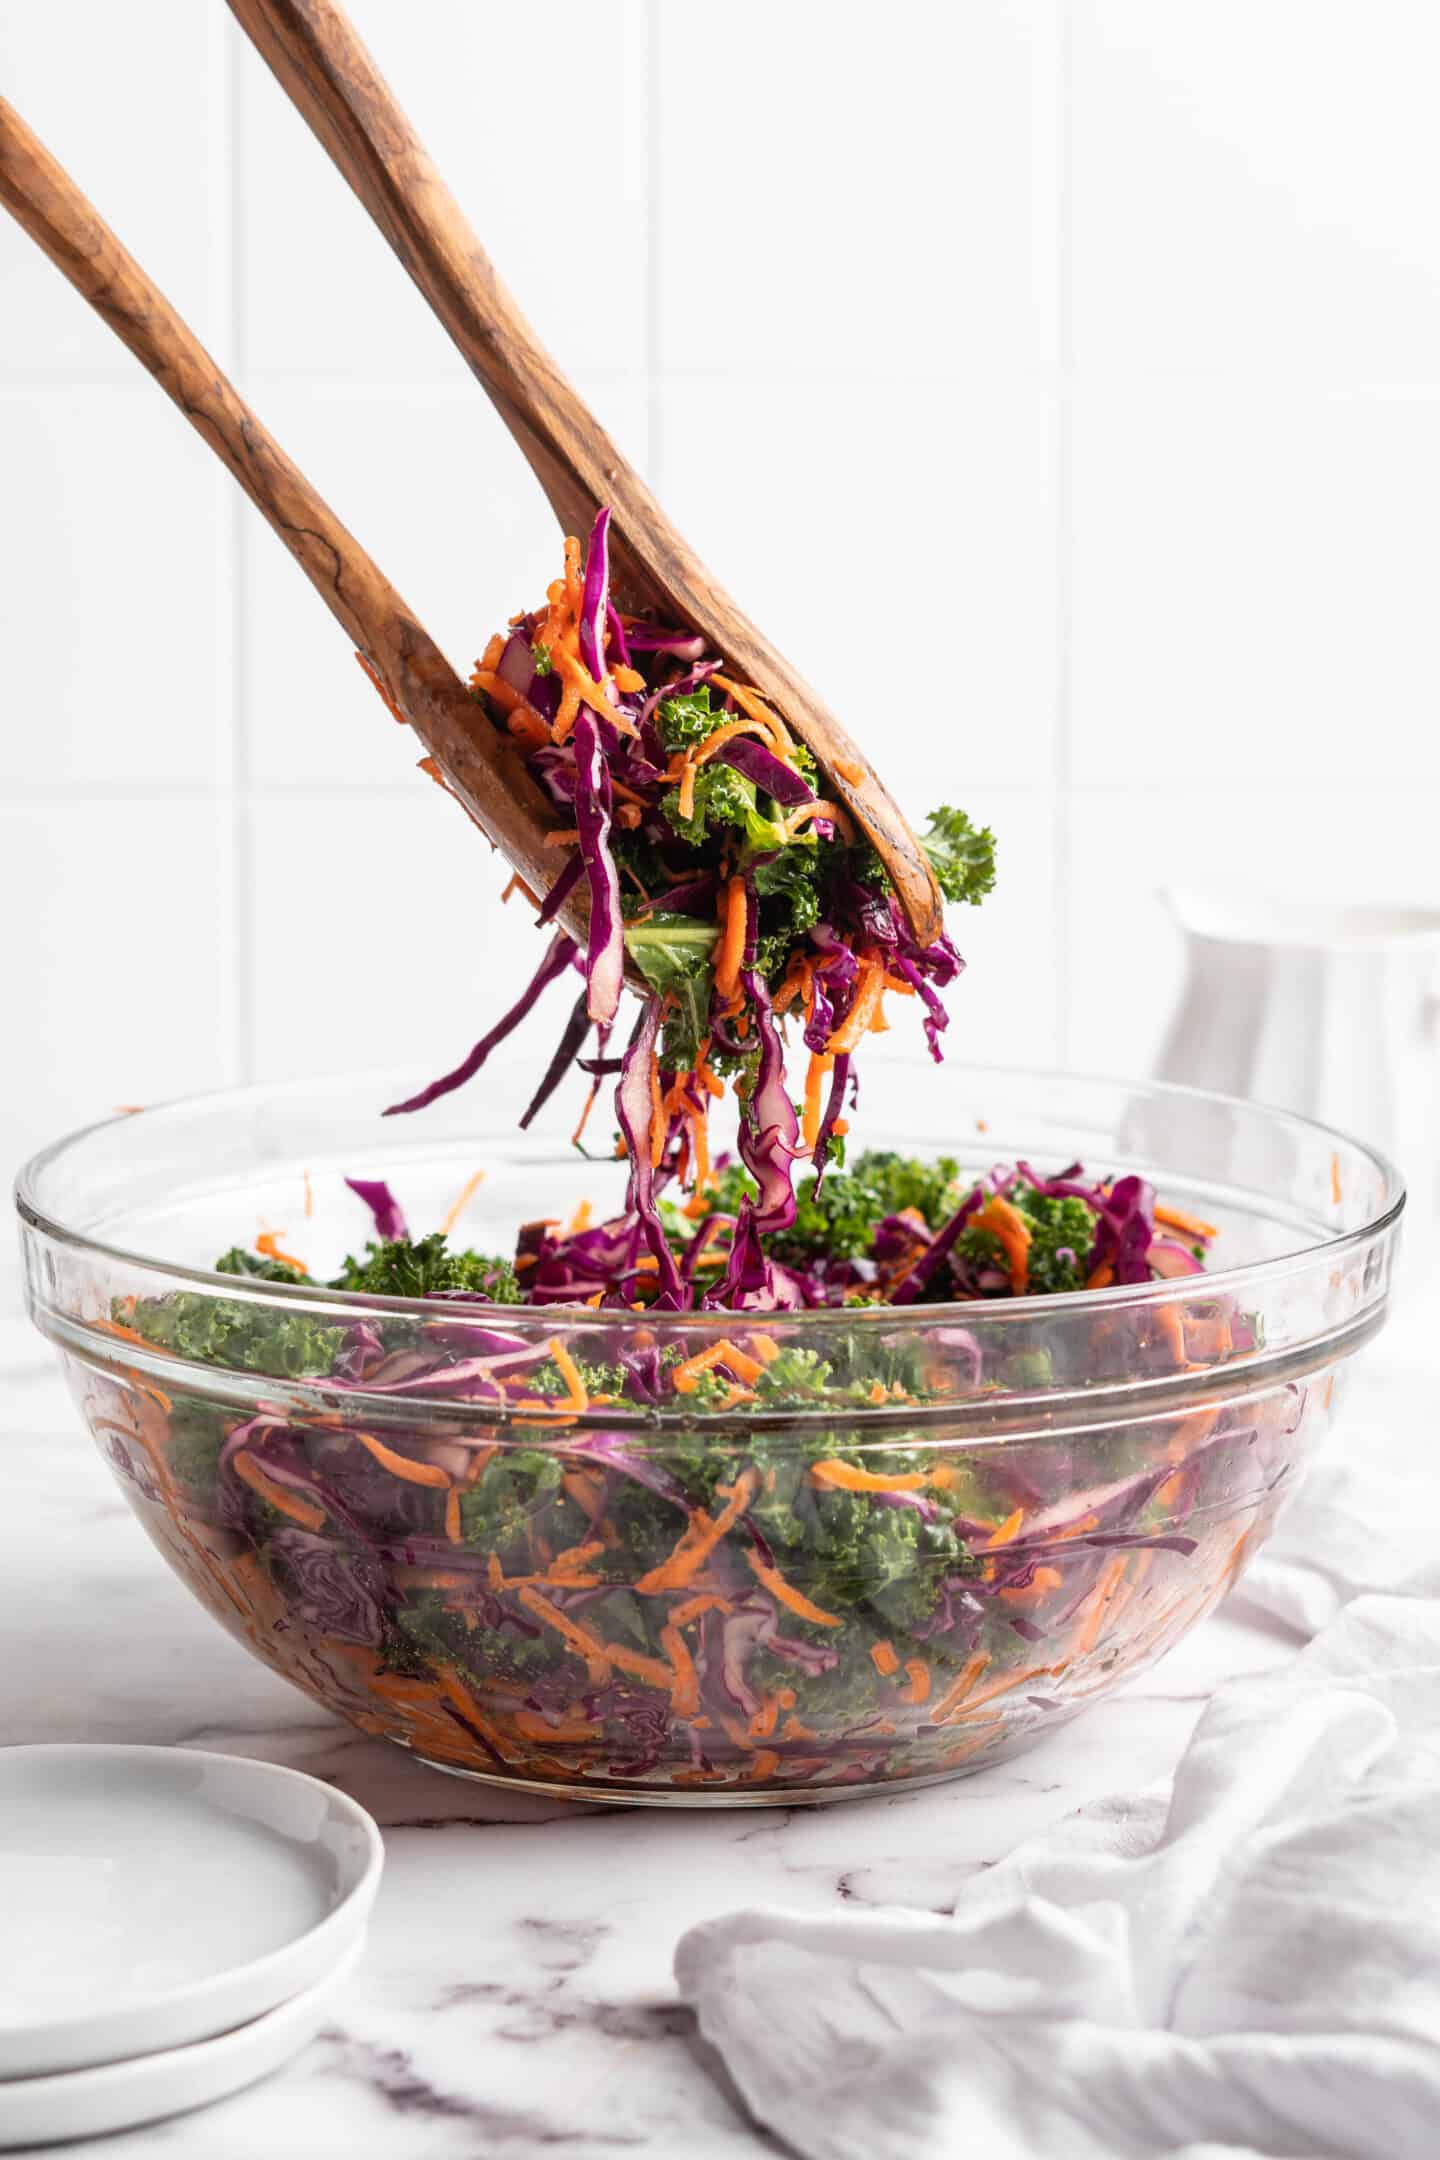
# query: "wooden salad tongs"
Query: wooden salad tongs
{"points": [[320, 62], [477, 764]]}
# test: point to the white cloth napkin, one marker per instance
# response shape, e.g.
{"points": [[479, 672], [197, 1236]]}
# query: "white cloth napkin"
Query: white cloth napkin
{"points": [[1243, 1961]]}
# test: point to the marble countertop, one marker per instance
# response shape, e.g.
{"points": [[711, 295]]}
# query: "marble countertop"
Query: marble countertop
{"points": [[516, 1993]]}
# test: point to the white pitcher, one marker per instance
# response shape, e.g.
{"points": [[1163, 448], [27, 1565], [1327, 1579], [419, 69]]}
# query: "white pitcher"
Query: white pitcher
{"points": [[1331, 1011]]}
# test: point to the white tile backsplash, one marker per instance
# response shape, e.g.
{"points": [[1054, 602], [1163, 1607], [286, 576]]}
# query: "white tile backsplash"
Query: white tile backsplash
{"points": [[1057, 380], [432, 486], [1253, 584], [132, 102], [114, 952], [853, 192], [536, 120], [114, 561], [1255, 187], [854, 519]]}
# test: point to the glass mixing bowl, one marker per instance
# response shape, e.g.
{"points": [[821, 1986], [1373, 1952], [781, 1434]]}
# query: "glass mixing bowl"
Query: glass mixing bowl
{"points": [[920, 1539]]}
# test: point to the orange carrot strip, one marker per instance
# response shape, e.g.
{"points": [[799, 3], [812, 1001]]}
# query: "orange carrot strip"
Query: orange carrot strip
{"points": [[764, 1765], [919, 1676], [528, 728], [699, 1540], [266, 1244], [628, 679], [1190, 1225], [685, 1683], [1007, 1531], [964, 1681], [1100, 1278], [856, 1023], [1098, 1606], [461, 1201], [708, 1601], [385, 698], [883, 1658], [848, 1479], [301, 1511], [576, 1397], [819, 1066], [401, 1466], [562, 836], [506, 696], [1006, 1223], [728, 733], [1002, 1686], [452, 1515], [730, 951], [751, 702], [775, 1583]]}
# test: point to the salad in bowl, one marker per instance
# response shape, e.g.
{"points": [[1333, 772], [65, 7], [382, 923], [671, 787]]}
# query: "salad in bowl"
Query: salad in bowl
{"points": [[718, 1458]]}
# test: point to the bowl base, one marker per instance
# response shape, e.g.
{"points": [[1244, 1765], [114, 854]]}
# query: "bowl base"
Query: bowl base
{"points": [[730, 1796]]}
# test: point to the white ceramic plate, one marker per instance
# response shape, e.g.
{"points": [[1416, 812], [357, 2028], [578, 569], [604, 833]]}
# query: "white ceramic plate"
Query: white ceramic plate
{"points": [[155, 1896], [118, 2095]]}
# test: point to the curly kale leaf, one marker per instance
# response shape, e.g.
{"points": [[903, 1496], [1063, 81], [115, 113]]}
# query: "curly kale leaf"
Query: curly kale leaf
{"points": [[674, 953], [405, 1267], [962, 854], [1061, 1234], [225, 1331], [239, 1262], [688, 719]]}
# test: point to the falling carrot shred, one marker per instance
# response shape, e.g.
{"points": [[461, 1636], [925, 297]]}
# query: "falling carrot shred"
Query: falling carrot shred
{"points": [[266, 1244], [461, 1201]]}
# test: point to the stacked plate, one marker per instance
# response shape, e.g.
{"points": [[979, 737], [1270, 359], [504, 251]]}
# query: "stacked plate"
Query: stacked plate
{"points": [[173, 1926]]}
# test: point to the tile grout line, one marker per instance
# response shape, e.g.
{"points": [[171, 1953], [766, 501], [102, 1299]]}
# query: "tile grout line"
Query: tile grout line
{"points": [[1064, 537], [651, 27], [241, 828]]}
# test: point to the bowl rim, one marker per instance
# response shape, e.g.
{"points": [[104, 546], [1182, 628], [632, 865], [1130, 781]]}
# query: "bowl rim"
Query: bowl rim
{"points": [[950, 1313]]}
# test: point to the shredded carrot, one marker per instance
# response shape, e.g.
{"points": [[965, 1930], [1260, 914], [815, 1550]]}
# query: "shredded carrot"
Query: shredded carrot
{"points": [[763, 1723], [699, 1539], [562, 836], [1008, 1225], [576, 1398], [685, 1686], [799, 982], [1034, 1592], [1007, 1532], [730, 952], [764, 1765], [599, 1655], [493, 654], [506, 696], [1099, 1605], [819, 1066], [628, 679], [727, 734], [830, 810], [385, 698], [401, 1466], [461, 1201], [773, 1581], [868, 993], [723, 1352], [527, 727], [301, 1511], [581, 1219], [765, 1348], [452, 1515], [960, 1688], [751, 702], [918, 1673], [848, 1479], [1189, 1225], [1100, 1278], [266, 1244], [883, 1658]]}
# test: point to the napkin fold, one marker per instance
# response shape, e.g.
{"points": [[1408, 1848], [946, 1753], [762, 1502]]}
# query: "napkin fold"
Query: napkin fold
{"points": [[1242, 1961]]}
